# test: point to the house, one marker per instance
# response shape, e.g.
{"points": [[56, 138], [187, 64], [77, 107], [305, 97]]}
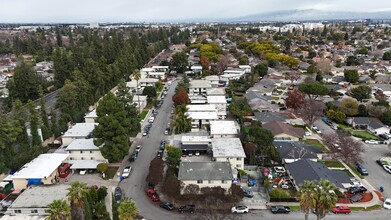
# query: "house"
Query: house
{"points": [[265, 117], [147, 82], [78, 131], [308, 170], [195, 143], [83, 154], [91, 117], [223, 129], [216, 91], [214, 80], [232, 74], [35, 200], [246, 68], [282, 131], [43, 170], [263, 105], [154, 72], [140, 100], [205, 174], [200, 120], [199, 87], [196, 69], [229, 149], [291, 151], [373, 125], [221, 105]]}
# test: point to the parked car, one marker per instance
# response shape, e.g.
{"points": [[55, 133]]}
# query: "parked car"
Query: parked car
{"points": [[387, 168], [356, 198], [152, 194], [167, 205], [247, 193], [126, 172], [133, 156], [371, 142], [387, 203], [82, 172], [187, 208], [308, 133], [384, 136], [138, 148], [160, 154], [357, 189], [381, 163], [239, 209], [341, 210], [117, 194], [280, 209], [151, 119], [361, 169]]}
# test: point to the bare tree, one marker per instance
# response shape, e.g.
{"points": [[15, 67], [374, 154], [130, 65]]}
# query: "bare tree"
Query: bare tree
{"points": [[312, 110], [298, 153], [222, 64], [214, 209], [376, 110], [191, 189], [342, 146], [324, 65]]}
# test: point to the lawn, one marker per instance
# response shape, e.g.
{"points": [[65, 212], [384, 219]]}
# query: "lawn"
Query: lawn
{"points": [[370, 208], [331, 163], [355, 171], [295, 208], [316, 143], [142, 115], [358, 133]]}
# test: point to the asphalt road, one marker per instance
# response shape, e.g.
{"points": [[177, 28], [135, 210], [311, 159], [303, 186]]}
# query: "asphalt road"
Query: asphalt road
{"points": [[134, 186]]}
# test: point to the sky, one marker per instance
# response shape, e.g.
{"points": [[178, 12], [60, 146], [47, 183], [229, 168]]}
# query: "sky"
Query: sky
{"points": [[62, 11]]}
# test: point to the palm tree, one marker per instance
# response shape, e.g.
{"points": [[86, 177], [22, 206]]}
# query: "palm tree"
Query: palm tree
{"points": [[137, 76], [180, 109], [306, 197], [325, 198], [127, 210], [76, 194], [58, 210]]}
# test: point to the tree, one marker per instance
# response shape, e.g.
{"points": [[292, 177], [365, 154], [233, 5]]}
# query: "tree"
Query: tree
{"points": [[127, 210], [222, 63], [261, 69], [343, 147], [34, 123], [205, 63], [337, 116], [102, 167], [76, 195], [325, 198], [181, 97], [113, 129], [173, 157], [387, 55], [386, 118], [351, 76], [137, 76], [361, 92], [305, 197], [263, 139], [58, 210], [156, 169], [239, 107], [324, 65], [319, 77], [150, 91], [192, 189], [171, 186], [313, 69], [352, 61], [294, 100], [182, 123], [313, 90], [376, 110], [312, 110], [179, 62], [349, 106], [362, 111]]}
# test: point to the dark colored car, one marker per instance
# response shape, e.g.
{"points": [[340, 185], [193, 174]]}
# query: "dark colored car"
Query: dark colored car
{"points": [[357, 189], [247, 193], [361, 169], [384, 136], [341, 210], [280, 209], [160, 154], [133, 156], [117, 194], [187, 208], [381, 163], [167, 205], [356, 198]]}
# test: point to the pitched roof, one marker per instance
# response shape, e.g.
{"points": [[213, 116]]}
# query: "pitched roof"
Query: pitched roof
{"points": [[277, 128], [266, 117], [303, 170], [205, 171], [370, 122], [295, 149]]}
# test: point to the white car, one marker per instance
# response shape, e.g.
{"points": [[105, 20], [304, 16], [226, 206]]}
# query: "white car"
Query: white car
{"points": [[138, 148], [371, 142], [83, 172], [151, 119], [387, 168], [308, 133], [126, 172], [239, 209], [387, 203]]}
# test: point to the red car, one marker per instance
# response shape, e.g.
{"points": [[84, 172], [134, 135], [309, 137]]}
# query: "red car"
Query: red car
{"points": [[341, 209], [153, 195]]}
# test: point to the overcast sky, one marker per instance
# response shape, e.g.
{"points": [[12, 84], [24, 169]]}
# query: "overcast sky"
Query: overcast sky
{"points": [[162, 10]]}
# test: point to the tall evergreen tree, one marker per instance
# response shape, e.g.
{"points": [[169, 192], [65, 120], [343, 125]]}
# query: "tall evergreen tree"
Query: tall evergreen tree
{"points": [[34, 124]]}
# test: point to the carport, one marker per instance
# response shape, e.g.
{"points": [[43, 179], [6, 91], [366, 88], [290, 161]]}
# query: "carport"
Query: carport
{"points": [[202, 148], [84, 164]]}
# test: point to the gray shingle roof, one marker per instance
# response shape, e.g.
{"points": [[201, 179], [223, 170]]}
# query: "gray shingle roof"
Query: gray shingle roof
{"points": [[205, 171], [291, 149], [266, 117], [277, 128], [370, 122]]}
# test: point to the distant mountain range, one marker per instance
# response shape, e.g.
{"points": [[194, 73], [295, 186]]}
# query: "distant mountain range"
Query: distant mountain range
{"points": [[312, 15]]}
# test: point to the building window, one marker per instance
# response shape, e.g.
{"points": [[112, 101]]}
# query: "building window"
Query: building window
{"points": [[34, 211], [82, 158], [223, 181], [90, 151], [238, 159], [81, 151], [92, 158], [18, 211], [199, 181], [71, 158], [210, 181], [238, 165]]}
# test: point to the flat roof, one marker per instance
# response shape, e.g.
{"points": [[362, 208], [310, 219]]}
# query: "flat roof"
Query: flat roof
{"points": [[159, 67], [205, 171], [41, 167], [91, 114], [148, 80], [200, 83], [234, 71], [84, 164], [80, 130], [198, 108], [195, 139], [218, 99], [227, 147], [223, 127], [82, 144], [40, 196], [216, 91], [202, 115]]}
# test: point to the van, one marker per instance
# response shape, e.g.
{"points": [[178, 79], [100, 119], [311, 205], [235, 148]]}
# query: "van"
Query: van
{"points": [[151, 119], [361, 169]]}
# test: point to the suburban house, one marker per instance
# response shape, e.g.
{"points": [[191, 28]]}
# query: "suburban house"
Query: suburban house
{"points": [[284, 132], [221, 105], [199, 87], [147, 82], [297, 150], [246, 68], [140, 100], [196, 69], [229, 149], [83, 154], [223, 129], [78, 131], [263, 105], [303, 170], [205, 174], [200, 120], [91, 117], [35, 200], [195, 143], [43, 170], [152, 73], [373, 125], [232, 74], [265, 117]]}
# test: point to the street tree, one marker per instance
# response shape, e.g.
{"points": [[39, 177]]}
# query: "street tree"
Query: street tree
{"points": [[156, 169], [305, 197], [325, 198], [351, 76], [76, 196], [173, 157], [336, 115], [113, 129], [324, 65], [312, 110], [349, 106], [294, 100], [342, 146], [34, 124], [150, 91], [205, 63], [179, 62], [58, 210], [127, 210], [361, 92], [181, 97]]}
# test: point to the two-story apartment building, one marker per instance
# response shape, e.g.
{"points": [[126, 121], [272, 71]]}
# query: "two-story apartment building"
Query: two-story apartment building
{"points": [[230, 150], [83, 154], [223, 129], [200, 120], [221, 105], [205, 174], [199, 87], [78, 131]]}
